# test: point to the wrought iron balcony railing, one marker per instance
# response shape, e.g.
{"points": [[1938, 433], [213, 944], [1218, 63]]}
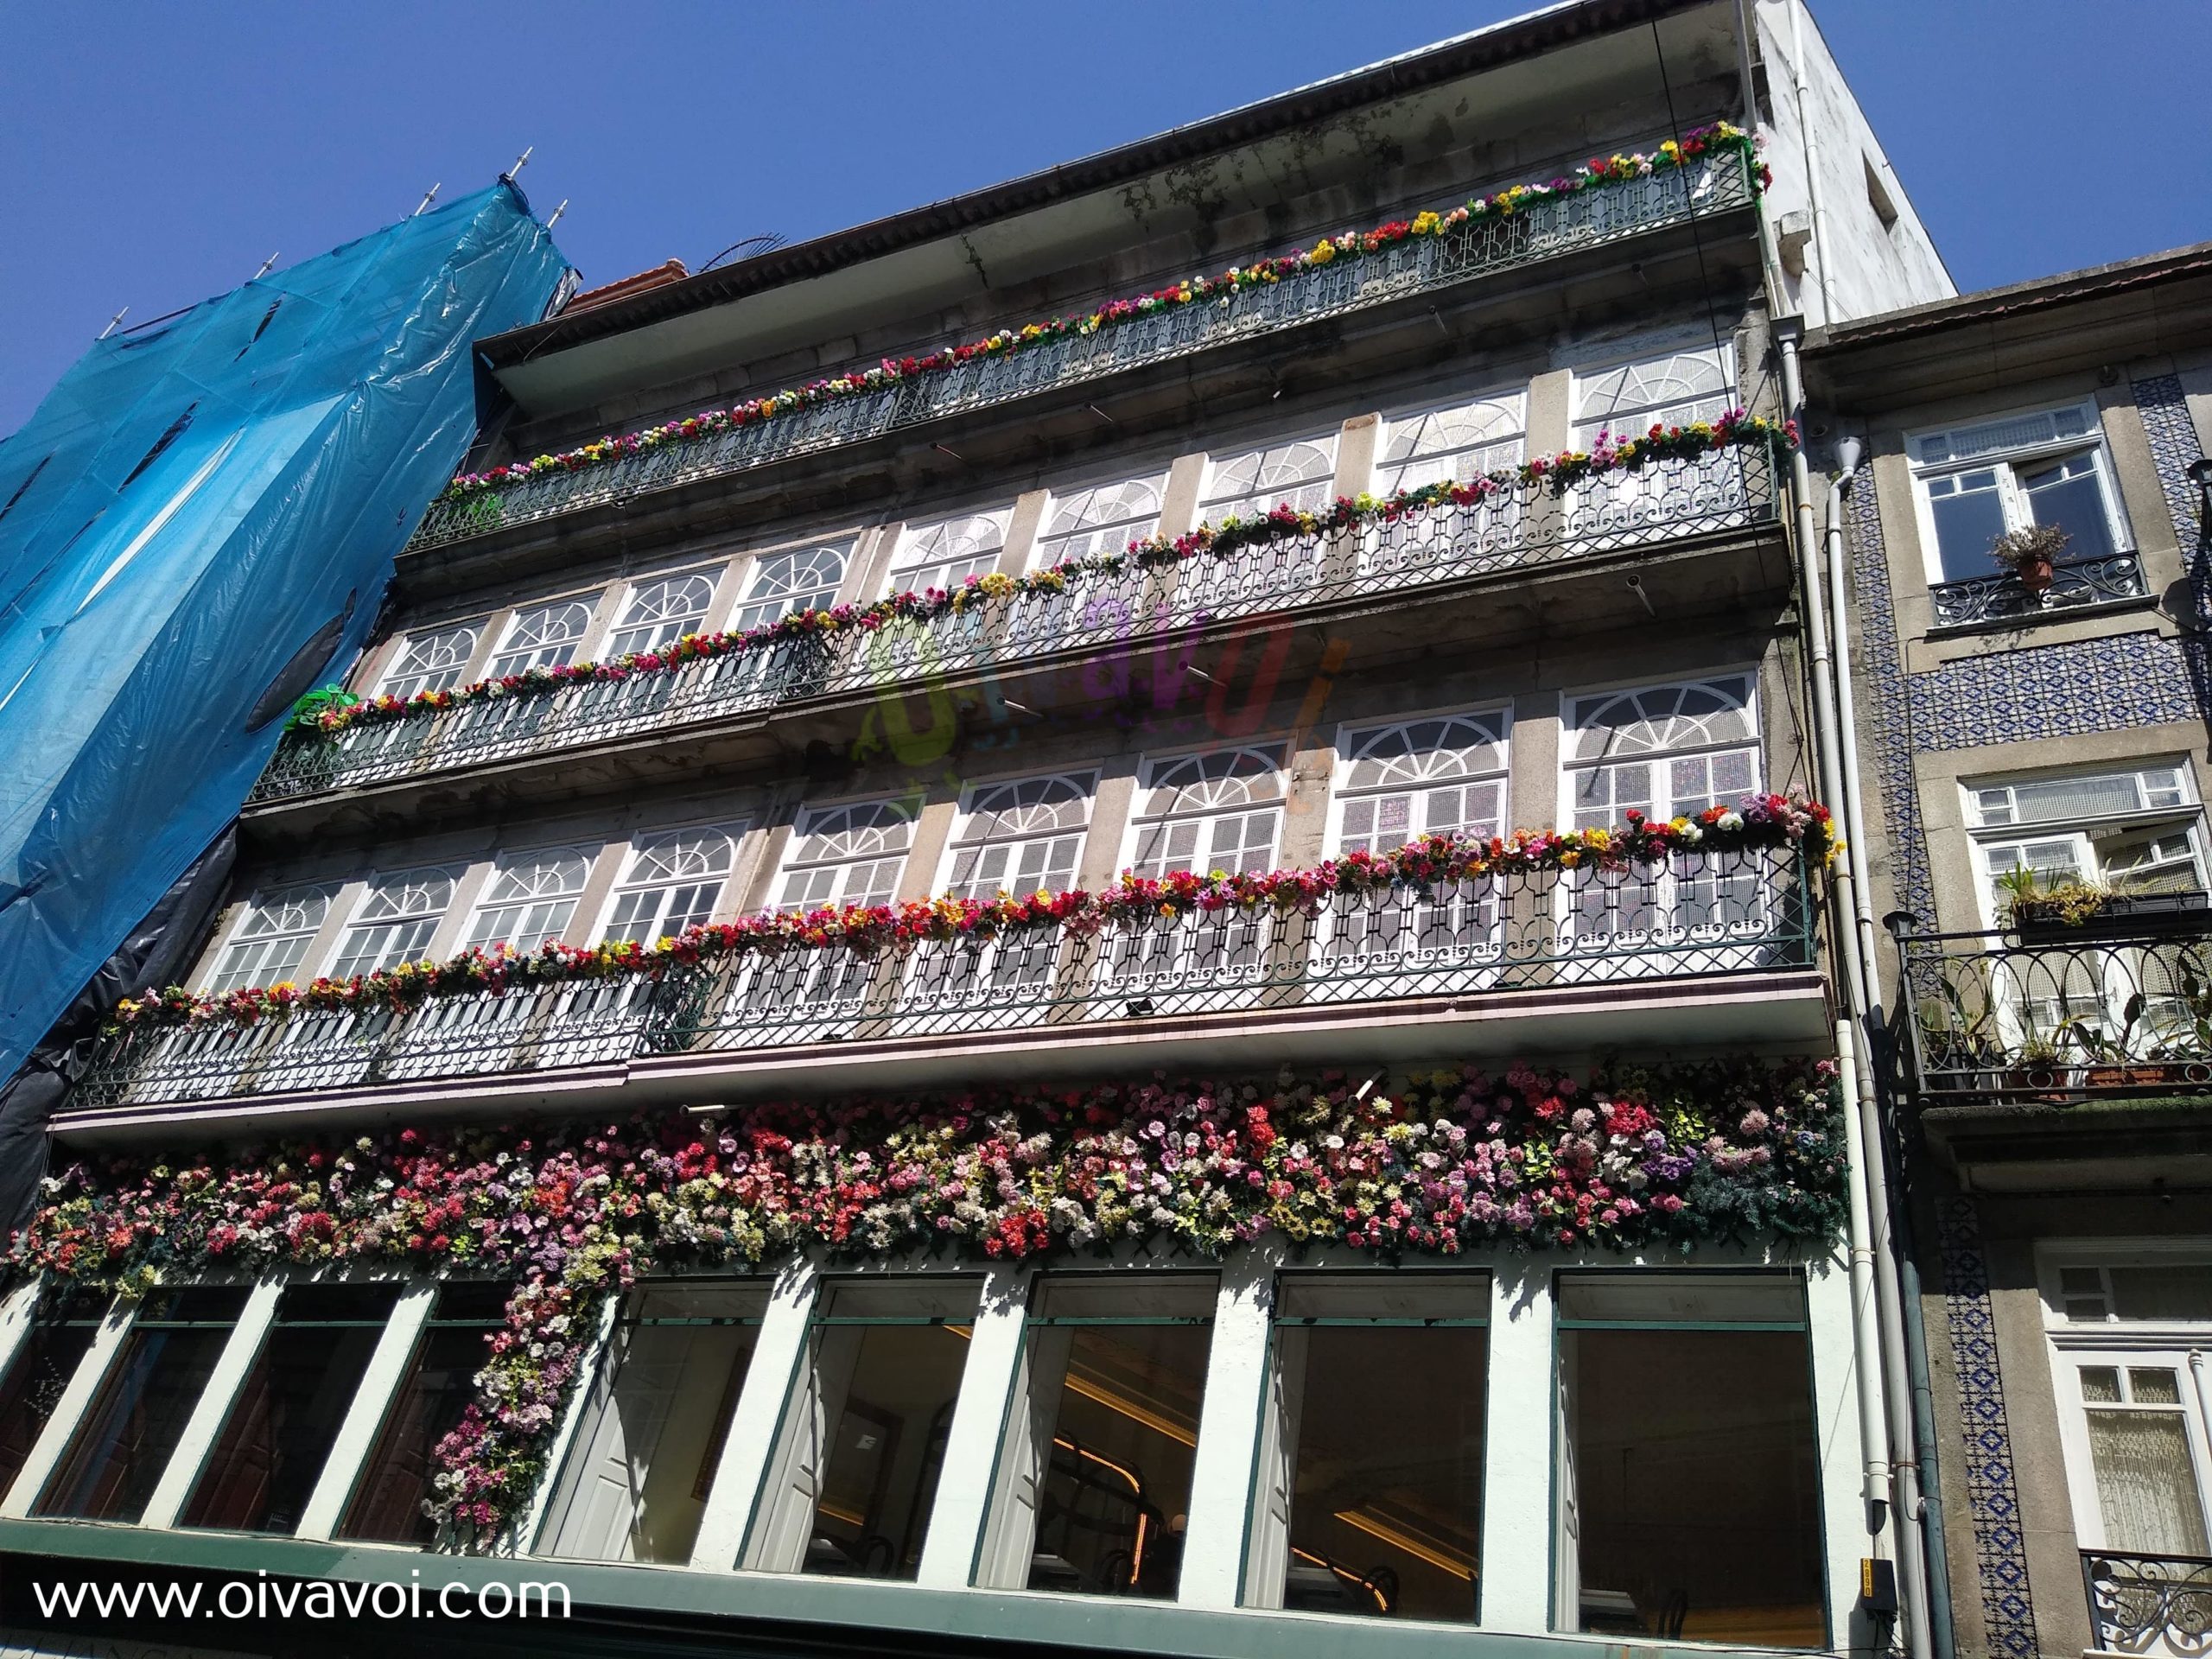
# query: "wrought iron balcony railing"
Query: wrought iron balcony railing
{"points": [[2075, 583], [1727, 489], [2067, 1013], [2148, 1603], [1545, 229], [1701, 915]]}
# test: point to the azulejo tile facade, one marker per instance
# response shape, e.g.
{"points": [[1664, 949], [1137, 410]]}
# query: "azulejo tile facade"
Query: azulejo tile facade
{"points": [[1885, 676], [2061, 690]]}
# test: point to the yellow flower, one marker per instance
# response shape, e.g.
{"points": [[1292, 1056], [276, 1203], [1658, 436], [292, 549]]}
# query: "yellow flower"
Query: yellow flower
{"points": [[1324, 251], [1426, 224]]}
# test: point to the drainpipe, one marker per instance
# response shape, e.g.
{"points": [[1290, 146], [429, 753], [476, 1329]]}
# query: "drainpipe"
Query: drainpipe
{"points": [[1904, 1446], [1876, 1486], [1808, 136]]}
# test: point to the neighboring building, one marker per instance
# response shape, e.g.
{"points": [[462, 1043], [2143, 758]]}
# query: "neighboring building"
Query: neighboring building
{"points": [[2046, 731], [1238, 1447]]}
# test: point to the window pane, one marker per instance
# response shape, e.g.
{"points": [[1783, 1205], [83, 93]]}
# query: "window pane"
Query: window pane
{"points": [[1385, 1504], [1695, 1485], [2100, 1385], [2176, 1291], [1115, 1495], [289, 1412], [43, 1365], [2066, 494], [388, 1500], [2146, 1485], [117, 1454], [2153, 1385], [1968, 517], [647, 1449], [886, 1445]]}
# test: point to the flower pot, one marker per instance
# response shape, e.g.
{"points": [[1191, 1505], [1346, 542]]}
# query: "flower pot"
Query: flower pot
{"points": [[2042, 1080], [2036, 575]]}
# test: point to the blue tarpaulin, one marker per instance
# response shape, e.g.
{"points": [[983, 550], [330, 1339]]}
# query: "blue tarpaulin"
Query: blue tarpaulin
{"points": [[198, 518]]}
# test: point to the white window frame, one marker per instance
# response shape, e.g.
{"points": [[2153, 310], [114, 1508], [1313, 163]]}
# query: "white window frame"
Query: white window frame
{"points": [[1630, 416], [1105, 518], [1439, 454], [515, 655], [1151, 768], [2006, 459], [1220, 498], [379, 882], [261, 903], [564, 901], [442, 676], [973, 799], [2185, 814], [1572, 765], [1353, 737], [764, 607], [628, 883], [979, 539], [649, 630]]}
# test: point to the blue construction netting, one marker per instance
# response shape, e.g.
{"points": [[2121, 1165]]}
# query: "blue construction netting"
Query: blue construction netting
{"points": [[198, 521]]}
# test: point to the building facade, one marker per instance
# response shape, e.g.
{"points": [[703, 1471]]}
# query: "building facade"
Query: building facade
{"points": [[2036, 739], [1162, 980]]}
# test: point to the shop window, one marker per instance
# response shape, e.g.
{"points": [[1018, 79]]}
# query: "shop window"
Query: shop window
{"points": [[1688, 1460], [121, 1446], [654, 1423], [289, 1411], [1362, 1508], [1093, 1494], [63, 1328], [864, 1439], [440, 1381]]}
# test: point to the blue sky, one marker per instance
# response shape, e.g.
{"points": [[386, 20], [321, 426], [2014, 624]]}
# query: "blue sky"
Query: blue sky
{"points": [[158, 153]]}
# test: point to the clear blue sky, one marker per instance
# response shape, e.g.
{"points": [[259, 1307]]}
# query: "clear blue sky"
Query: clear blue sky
{"points": [[157, 153]]}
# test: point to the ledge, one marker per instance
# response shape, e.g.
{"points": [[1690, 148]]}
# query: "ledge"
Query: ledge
{"points": [[2129, 1144]]}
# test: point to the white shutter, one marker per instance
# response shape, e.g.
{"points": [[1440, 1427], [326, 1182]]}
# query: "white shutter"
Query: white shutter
{"points": [[1267, 1562], [1024, 1457], [600, 1509], [794, 1486], [1566, 1554]]}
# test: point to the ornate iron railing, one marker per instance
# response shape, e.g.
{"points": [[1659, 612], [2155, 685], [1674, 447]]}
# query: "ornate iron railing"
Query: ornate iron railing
{"points": [[1543, 230], [1529, 525], [2148, 1603], [2075, 583], [1701, 915], [2069, 1012]]}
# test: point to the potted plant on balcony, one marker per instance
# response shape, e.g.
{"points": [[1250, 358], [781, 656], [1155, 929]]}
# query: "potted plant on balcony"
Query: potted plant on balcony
{"points": [[2029, 553], [2075, 907]]}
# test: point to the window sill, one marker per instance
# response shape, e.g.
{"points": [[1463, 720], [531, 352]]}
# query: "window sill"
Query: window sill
{"points": [[2025, 621]]}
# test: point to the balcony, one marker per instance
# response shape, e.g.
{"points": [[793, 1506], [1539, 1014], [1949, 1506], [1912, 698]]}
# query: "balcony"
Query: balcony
{"points": [[1525, 527], [2148, 1603], [1585, 959], [2116, 579], [1545, 229], [2115, 1008]]}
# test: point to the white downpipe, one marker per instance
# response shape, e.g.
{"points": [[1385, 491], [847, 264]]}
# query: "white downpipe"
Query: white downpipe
{"points": [[1873, 1426], [1904, 1451], [1808, 136]]}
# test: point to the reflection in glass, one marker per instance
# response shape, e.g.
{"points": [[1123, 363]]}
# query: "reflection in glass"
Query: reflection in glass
{"points": [[388, 1499], [289, 1411], [1690, 1470], [1384, 1504], [44, 1363], [117, 1456], [654, 1424]]}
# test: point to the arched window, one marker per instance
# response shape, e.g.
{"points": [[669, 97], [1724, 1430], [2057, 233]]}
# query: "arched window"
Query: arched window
{"points": [[659, 613], [431, 662], [531, 899], [1101, 521], [1673, 389], [670, 881], [1023, 837], [945, 554], [395, 921], [1457, 443], [1220, 811], [544, 636], [804, 579], [843, 855], [1665, 750], [1301, 473], [270, 941], [1436, 776]]}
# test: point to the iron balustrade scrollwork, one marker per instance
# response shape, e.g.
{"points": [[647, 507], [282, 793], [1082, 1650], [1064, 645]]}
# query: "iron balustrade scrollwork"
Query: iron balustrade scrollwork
{"points": [[2148, 1603], [1543, 229], [2112, 579], [1525, 526], [1697, 916], [2066, 1013]]}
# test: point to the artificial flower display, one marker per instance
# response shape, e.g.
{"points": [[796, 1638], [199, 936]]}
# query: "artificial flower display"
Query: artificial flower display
{"points": [[320, 714], [1760, 821], [1659, 1160], [1721, 138]]}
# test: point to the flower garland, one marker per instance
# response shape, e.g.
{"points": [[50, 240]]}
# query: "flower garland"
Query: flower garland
{"points": [[320, 714], [1634, 1159], [1721, 138], [1761, 822]]}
